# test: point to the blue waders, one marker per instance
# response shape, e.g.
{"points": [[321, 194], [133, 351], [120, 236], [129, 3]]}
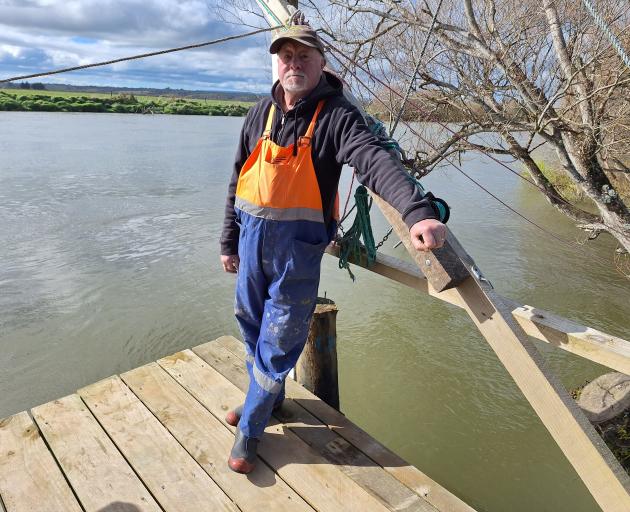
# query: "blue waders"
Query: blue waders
{"points": [[276, 290]]}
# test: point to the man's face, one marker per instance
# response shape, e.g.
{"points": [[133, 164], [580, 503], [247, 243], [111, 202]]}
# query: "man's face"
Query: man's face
{"points": [[299, 67]]}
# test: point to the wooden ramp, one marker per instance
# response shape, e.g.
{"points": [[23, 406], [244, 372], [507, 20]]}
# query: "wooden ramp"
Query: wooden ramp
{"points": [[155, 439]]}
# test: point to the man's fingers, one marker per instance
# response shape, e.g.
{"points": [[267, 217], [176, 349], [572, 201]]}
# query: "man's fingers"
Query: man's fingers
{"points": [[428, 240], [428, 234], [418, 243], [230, 264]]}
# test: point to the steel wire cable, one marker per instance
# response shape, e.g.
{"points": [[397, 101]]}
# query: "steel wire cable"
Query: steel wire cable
{"points": [[567, 243], [415, 71], [446, 127], [608, 31], [140, 56]]}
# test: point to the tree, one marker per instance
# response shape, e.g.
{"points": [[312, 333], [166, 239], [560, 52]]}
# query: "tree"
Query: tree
{"points": [[529, 73]]}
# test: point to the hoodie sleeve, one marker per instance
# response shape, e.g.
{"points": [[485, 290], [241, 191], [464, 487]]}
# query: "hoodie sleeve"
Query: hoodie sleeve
{"points": [[230, 233], [376, 168]]}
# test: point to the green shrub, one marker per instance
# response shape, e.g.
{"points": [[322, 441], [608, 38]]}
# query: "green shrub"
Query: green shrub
{"points": [[561, 181], [10, 104], [45, 106]]}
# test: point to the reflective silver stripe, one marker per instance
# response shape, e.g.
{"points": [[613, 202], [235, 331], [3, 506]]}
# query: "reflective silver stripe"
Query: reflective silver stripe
{"points": [[266, 383], [249, 359], [267, 212]]}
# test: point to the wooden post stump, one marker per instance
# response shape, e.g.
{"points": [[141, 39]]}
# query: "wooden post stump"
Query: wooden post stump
{"points": [[316, 368]]}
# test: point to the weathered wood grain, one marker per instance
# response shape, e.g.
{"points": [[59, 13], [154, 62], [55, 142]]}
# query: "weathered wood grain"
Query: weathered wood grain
{"points": [[320, 483], [354, 463], [30, 480], [97, 471], [209, 442], [166, 469], [410, 476]]}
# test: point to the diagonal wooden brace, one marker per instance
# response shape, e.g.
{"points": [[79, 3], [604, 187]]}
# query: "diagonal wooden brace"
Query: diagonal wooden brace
{"points": [[442, 267], [581, 444]]}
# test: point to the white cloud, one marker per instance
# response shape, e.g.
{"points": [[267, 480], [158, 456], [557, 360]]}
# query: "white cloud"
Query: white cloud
{"points": [[13, 51], [37, 35]]}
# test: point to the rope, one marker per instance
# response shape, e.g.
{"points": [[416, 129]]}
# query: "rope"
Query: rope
{"points": [[415, 71], [607, 30], [141, 56], [350, 243]]}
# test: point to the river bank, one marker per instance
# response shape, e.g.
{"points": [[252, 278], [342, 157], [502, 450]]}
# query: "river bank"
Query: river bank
{"points": [[43, 101]]}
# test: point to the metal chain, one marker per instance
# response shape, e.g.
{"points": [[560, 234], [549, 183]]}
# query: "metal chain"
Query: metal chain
{"points": [[380, 244]]}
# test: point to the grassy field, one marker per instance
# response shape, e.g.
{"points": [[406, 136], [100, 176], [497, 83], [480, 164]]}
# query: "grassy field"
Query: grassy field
{"points": [[65, 94], [30, 100]]}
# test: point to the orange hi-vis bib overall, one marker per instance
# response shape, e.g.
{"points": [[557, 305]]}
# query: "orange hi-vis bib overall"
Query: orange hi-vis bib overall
{"points": [[281, 243], [278, 185]]}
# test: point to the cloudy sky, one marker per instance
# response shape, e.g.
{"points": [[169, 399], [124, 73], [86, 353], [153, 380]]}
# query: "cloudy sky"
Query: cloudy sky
{"points": [[39, 35]]}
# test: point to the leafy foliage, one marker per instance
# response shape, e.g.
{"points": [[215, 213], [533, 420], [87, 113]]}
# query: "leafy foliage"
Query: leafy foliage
{"points": [[119, 104]]}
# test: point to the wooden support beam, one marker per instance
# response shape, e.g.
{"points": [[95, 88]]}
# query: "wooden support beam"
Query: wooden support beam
{"points": [[581, 444], [499, 321], [316, 369], [578, 339], [565, 334], [442, 267]]}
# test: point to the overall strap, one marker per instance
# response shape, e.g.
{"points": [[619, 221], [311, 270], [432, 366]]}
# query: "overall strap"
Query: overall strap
{"points": [[267, 132], [311, 127]]}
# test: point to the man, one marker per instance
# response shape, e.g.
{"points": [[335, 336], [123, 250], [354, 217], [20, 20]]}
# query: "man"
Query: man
{"points": [[280, 215]]}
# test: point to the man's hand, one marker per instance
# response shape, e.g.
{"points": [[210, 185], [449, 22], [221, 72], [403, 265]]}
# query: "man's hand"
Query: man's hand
{"points": [[230, 263], [428, 234]]}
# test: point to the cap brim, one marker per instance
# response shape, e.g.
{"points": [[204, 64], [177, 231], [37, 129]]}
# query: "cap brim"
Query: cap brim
{"points": [[275, 46]]}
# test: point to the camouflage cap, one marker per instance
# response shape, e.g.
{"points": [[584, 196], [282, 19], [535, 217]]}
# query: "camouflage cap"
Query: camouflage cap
{"points": [[300, 33]]}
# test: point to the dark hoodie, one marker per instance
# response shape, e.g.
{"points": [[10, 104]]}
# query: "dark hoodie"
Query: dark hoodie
{"points": [[341, 137]]}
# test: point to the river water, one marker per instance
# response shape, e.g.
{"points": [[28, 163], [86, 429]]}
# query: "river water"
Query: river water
{"points": [[109, 259]]}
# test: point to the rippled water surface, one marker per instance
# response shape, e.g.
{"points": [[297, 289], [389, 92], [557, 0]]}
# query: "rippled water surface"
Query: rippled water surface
{"points": [[109, 259]]}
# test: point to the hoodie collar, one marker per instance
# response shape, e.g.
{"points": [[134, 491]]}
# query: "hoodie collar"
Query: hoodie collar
{"points": [[328, 86]]}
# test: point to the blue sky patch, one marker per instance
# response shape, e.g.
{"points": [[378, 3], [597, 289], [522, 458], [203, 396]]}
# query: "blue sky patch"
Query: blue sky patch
{"points": [[84, 40]]}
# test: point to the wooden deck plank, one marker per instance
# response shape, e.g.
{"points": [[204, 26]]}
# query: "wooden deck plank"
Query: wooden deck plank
{"points": [[354, 463], [97, 471], [320, 483], [209, 442], [30, 480], [166, 469], [409, 475]]}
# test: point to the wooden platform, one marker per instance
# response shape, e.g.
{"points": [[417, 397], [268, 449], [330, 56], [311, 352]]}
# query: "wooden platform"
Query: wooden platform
{"points": [[154, 439]]}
